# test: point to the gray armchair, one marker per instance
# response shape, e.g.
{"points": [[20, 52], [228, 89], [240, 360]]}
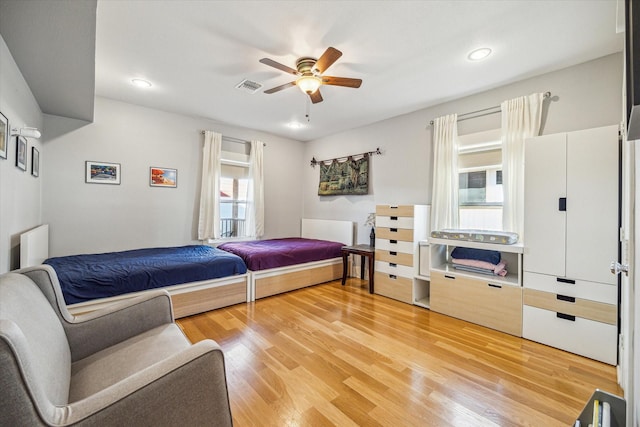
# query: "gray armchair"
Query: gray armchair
{"points": [[125, 365]]}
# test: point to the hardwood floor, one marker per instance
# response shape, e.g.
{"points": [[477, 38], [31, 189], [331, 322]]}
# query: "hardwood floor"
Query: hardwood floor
{"points": [[333, 355]]}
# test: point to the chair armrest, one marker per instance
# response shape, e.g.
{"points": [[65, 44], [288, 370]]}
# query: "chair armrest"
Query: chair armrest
{"points": [[188, 388], [100, 329]]}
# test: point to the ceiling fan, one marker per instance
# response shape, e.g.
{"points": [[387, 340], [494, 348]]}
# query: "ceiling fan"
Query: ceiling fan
{"points": [[309, 72]]}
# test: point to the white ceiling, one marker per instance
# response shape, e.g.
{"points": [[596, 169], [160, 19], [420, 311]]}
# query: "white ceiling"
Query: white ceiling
{"points": [[409, 54]]}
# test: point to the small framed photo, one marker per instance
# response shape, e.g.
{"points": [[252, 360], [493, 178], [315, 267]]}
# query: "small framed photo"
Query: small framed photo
{"points": [[35, 162], [163, 177], [102, 172], [21, 152], [4, 136]]}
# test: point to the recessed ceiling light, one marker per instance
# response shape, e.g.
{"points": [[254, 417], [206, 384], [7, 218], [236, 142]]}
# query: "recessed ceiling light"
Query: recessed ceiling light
{"points": [[141, 83], [295, 125], [479, 54]]}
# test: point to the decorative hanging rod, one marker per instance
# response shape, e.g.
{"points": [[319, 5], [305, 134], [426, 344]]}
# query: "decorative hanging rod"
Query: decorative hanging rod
{"points": [[314, 162], [485, 111]]}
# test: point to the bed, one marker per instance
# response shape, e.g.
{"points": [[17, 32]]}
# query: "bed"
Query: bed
{"points": [[282, 265], [199, 278]]}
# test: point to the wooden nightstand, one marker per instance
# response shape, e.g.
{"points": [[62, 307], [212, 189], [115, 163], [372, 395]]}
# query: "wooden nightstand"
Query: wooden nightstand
{"points": [[364, 251]]}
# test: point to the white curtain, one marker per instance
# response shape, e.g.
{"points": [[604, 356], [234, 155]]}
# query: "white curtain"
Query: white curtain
{"points": [[209, 218], [444, 203], [255, 214], [521, 119]]}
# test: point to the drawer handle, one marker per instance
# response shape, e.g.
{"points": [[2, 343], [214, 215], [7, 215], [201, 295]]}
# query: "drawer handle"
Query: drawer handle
{"points": [[494, 286], [393, 276], [393, 253], [446, 276], [393, 230], [565, 298], [393, 264], [393, 207], [394, 218], [393, 241], [569, 281], [566, 317]]}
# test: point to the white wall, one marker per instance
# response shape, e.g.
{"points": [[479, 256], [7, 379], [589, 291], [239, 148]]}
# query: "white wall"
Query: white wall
{"points": [[20, 205], [584, 96], [97, 217]]}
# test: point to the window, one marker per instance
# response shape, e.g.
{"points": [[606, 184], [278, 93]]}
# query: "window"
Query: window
{"points": [[234, 185], [480, 181]]}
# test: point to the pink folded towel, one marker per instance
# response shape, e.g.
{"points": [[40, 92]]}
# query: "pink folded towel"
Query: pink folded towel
{"points": [[499, 269]]}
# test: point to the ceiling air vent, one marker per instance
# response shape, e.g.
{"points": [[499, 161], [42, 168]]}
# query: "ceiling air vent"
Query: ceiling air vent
{"points": [[248, 86]]}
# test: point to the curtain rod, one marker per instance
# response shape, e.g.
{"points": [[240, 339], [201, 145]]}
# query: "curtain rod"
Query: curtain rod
{"points": [[314, 162], [486, 111], [238, 140]]}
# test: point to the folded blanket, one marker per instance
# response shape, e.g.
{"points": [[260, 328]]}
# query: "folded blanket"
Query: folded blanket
{"points": [[492, 257], [484, 267]]}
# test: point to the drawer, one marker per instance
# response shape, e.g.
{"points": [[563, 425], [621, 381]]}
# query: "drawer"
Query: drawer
{"points": [[395, 222], [396, 287], [478, 301], [395, 269], [394, 210], [589, 338], [403, 234], [395, 245], [593, 291], [394, 257], [592, 310]]}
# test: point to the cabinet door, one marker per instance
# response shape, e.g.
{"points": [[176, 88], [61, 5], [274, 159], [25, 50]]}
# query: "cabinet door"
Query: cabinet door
{"points": [[544, 223], [592, 204]]}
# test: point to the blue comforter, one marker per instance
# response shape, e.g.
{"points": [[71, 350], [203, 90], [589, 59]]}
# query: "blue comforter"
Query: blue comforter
{"points": [[87, 277]]}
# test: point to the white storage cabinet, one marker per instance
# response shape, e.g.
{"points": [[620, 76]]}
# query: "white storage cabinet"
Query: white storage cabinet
{"points": [[571, 237]]}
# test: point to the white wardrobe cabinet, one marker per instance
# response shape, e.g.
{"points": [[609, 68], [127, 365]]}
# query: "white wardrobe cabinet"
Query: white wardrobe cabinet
{"points": [[571, 237]]}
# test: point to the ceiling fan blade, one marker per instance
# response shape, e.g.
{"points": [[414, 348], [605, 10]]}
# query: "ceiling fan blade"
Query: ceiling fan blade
{"points": [[341, 81], [279, 66], [329, 56], [315, 96], [279, 88]]}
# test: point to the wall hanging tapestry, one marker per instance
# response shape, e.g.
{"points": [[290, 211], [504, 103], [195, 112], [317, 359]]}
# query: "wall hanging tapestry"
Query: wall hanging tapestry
{"points": [[347, 177]]}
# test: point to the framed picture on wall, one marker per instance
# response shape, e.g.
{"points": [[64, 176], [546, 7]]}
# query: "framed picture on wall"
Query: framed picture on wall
{"points": [[4, 136], [102, 172], [21, 152], [35, 162], [163, 177]]}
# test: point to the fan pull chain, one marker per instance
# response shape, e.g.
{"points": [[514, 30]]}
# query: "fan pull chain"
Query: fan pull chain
{"points": [[308, 109]]}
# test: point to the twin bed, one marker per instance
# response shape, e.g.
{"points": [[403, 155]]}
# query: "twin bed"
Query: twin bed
{"points": [[199, 277]]}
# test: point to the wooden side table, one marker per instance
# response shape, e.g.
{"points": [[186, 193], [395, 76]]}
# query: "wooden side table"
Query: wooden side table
{"points": [[364, 251]]}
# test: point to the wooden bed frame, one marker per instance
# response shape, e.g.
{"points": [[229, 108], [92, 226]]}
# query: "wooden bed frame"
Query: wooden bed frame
{"points": [[198, 297], [187, 298], [264, 283]]}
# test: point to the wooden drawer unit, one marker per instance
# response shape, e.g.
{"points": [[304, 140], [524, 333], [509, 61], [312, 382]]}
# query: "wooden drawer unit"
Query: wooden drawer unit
{"points": [[477, 300], [589, 338], [394, 210], [601, 292], [577, 307], [398, 231], [394, 257], [404, 234], [396, 287]]}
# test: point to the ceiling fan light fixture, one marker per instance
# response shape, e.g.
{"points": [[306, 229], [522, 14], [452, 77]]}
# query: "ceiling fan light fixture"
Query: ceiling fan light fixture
{"points": [[309, 84]]}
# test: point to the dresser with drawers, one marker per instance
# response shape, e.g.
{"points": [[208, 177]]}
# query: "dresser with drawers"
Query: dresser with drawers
{"points": [[399, 230]]}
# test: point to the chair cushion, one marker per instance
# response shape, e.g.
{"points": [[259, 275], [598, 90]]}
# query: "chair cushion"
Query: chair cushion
{"points": [[109, 366], [37, 341]]}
